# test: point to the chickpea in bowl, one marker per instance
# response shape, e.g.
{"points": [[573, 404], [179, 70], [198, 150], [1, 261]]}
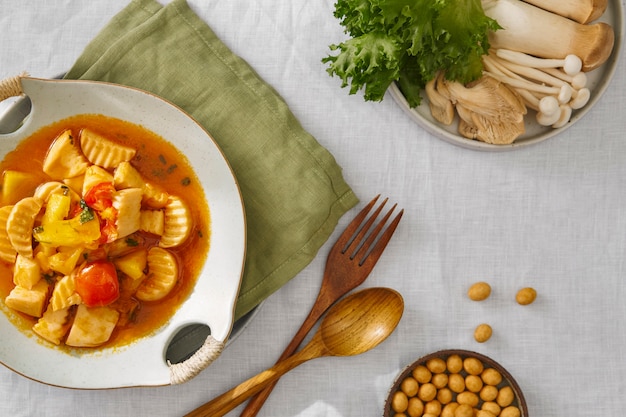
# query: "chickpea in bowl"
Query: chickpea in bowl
{"points": [[455, 383]]}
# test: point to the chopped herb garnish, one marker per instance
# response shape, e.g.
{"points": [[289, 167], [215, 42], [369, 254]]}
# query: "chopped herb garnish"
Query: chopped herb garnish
{"points": [[49, 277], [86, 215], [162, 159], [185, 181], [171, 168], [66, 189], [38, 229], [71, 138], [132, 242]]}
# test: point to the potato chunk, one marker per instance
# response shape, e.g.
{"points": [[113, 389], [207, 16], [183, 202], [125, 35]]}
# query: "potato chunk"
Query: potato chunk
{"points": [[64, 159], [27, 301], [53, 325], [26, 272], [92, 326]]}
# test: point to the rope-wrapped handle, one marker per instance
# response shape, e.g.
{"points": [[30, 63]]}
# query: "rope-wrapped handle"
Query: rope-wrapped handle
{"points": [[11, 87], [203, 357]]}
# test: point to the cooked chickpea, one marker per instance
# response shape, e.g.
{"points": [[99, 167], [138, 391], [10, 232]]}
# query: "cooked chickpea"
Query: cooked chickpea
{"points": [[454, 364], [468, 398], [473, 383], [432, 407], [415, 407], [505, 396], [526, 296], [488, 393], [444, 395], [427, 392], [492, 407], [473, 366], [484, 413], [440, 380], [491, 376], [464, 410], [399, 415], [456, 383], [399, 402], [479, 291], [482, 333], [449, 409], [428, 415], [510, 411], [409, 386], [436, 365], [422, 374]]}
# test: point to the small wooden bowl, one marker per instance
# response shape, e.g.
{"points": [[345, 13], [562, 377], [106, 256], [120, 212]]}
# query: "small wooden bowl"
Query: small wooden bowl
{"points": [[507, 379]]}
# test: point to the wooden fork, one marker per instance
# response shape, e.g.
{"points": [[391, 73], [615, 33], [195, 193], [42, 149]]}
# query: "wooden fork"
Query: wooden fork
{"points": [[349, 262]]}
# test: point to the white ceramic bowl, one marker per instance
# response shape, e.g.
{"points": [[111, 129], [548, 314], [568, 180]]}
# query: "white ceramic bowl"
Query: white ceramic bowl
{"points": [[598, 82], [211, 303]]}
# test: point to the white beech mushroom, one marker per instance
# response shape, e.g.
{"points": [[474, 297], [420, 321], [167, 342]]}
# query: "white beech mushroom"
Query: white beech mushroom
{"points": [[536, 79], [529, 29]]}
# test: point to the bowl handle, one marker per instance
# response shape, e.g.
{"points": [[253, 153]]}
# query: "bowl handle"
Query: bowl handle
{"points": [[11, 87], [203, 357]]}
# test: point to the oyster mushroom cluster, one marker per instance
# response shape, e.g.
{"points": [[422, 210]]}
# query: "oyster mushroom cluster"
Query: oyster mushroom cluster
{"points": [[489, 110]]}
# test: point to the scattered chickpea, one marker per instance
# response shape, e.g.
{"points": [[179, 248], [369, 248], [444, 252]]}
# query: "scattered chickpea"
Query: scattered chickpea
{"points": [[526, 296], [482, 333], [484, 413], [479, 291]]}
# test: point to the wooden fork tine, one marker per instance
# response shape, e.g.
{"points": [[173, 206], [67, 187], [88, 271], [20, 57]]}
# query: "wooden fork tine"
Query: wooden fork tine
{"points": [[354, 244], [363, 249], [351, 229], [371, 258]]}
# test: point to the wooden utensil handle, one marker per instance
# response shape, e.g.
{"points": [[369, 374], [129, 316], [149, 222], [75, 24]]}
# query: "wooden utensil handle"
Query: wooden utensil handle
{"points": [[231, 399], [323, 302]]}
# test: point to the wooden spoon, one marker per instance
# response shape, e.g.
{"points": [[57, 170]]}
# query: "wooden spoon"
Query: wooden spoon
{"points": [[353, 326]]}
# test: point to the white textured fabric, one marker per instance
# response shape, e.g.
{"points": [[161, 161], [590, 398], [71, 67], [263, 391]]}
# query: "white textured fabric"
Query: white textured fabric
{"points": [[550, 216]]}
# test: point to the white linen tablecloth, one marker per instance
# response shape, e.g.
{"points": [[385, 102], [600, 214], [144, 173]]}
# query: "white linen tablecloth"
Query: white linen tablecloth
{"points": [[550, 216]]}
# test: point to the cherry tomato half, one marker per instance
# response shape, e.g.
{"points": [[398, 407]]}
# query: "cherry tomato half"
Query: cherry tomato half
{"points": [[97, 284], [100, 196]]}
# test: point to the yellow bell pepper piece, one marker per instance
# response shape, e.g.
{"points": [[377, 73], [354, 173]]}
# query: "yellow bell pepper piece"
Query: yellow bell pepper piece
{"points": [[72, 232]]}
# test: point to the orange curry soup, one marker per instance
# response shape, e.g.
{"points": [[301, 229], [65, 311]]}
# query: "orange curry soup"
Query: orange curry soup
{"points": [[159, 163]]}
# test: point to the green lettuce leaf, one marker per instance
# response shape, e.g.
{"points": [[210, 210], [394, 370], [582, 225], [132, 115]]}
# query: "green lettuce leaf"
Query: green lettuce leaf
{"points": [[408, 42]]}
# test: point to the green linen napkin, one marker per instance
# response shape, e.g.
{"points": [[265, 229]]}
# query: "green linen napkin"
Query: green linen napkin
{"points": [[293, 190]]}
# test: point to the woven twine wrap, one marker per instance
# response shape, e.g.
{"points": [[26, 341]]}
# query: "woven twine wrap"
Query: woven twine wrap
{"points": [[184, 371], [210, 350], [11, 87]]}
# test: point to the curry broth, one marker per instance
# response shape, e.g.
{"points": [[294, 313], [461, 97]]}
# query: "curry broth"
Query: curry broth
{"points": [[160, 163]]}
